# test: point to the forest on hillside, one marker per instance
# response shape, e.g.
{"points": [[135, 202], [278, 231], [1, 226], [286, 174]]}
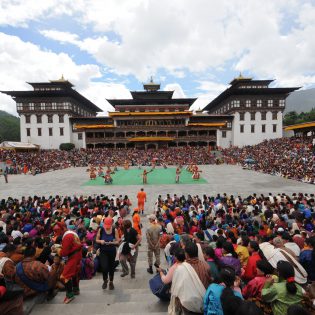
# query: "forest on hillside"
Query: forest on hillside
{"points": [[292, 118], [9, 127]]}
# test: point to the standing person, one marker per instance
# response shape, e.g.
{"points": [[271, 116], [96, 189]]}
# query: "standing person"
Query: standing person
{"points": [[129, 249], [142, 198], [72, 249], [5, 174], [178, 171], [108, 238], [136, 221], [145, 176], [153, 235]]}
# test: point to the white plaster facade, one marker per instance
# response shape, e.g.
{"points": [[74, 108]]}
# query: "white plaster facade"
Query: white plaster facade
{"points": [[61, 131]]}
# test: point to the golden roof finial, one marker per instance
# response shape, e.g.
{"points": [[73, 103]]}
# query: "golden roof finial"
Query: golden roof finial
{"points": [[62, 78]]}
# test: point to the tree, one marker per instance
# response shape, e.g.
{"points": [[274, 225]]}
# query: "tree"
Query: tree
{"points": [[66, 146]]}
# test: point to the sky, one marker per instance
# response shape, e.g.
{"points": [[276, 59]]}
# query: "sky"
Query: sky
{"points": [[195, 47]]}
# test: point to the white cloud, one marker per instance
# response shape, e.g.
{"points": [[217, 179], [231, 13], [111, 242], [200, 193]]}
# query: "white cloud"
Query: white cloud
{"points": [[197, 36], [21, 12], [210, 90], [22, 62], [63, 37], [178, 91]]}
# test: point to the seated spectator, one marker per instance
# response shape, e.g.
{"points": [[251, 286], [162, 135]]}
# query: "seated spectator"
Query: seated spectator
{"points": [[254, 287], [250, 268], [179, 258], [212, 299], [57, 268], [230, 258], [212, 261], [307, 258], [7, 266], [33, 275], [242, 250], [284, 293], [87, 265], [201, 267]]}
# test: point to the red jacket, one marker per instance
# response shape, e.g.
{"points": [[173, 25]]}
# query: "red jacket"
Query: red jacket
{"points": [[251, 269]]}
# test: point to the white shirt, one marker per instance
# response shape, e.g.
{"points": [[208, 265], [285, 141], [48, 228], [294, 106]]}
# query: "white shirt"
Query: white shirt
{"points": [[16, 234], [294, 247]]}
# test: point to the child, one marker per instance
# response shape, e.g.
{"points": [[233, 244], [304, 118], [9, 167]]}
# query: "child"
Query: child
{"points": [[87, 267], [57, 267]]}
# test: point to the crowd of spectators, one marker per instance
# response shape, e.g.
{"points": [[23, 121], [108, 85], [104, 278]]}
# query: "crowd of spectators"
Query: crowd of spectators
{"points": [[286, 157], [47, 160], [31, 233], [259, 252], [258, 249]]}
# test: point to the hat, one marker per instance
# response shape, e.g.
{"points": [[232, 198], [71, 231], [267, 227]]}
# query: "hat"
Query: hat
{"points": [[108, 222], [280, 230], [136, 209], [152, 217]]}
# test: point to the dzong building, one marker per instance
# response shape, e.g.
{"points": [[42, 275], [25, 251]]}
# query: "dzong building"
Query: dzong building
{"points": [[246, 113]]}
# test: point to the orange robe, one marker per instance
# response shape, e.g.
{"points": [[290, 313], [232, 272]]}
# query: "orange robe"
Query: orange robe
{"points": [[136, 223], [142, 197]]}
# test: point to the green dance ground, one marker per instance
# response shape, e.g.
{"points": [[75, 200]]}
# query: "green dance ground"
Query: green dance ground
{"points": [[159, 176]]}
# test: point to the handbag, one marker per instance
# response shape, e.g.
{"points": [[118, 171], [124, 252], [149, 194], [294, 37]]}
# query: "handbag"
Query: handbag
{"points": [[13, 290], [160, 289]]}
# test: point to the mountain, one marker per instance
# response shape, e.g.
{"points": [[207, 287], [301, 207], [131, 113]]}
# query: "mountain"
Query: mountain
{"points": [[300, 101], [9, 127]]}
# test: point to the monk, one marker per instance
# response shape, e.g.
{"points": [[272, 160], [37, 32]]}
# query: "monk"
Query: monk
{"points": [[142, 198], [136, 221], [72, 249]]}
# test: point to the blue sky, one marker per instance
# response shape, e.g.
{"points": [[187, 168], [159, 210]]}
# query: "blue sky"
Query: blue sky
{"points": [[195, 47]]}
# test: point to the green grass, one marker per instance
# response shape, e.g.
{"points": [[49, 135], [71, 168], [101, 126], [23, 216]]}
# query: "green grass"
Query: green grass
{"points": [[159, 176]]}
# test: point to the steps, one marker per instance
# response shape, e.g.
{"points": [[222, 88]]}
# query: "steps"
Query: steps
{"points": [[131, 296]]}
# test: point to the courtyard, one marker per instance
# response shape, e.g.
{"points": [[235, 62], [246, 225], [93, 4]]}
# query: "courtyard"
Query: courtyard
{"points": [[230, 179]]}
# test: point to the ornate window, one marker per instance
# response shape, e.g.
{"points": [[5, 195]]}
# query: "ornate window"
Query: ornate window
{"points": [[259, 103], [274, 128], [27, 119], [270, 103], [248, 103], [274, 115], [281, 103]]}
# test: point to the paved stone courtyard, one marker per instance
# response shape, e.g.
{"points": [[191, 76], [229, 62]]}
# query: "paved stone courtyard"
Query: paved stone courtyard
{"points": [[221, 178], [133, 296]]}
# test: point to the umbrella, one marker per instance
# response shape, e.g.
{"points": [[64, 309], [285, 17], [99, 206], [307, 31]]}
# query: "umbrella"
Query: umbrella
{"points": [[250, 161]]}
